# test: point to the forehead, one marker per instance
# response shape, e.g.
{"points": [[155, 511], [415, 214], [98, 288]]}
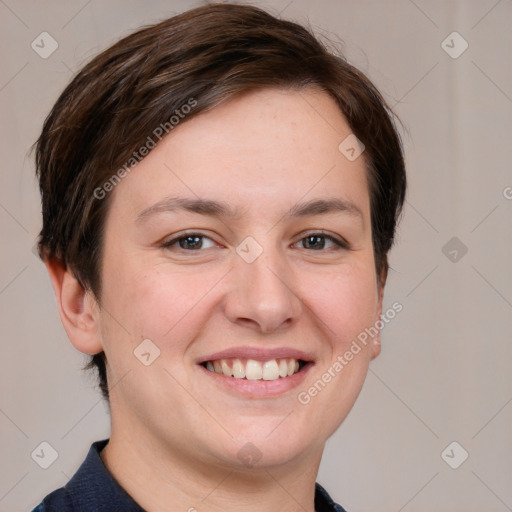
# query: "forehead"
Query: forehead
{"points": [[265, 147]]}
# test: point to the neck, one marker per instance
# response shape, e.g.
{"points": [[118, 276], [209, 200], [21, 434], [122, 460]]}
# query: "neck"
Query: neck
{"points": [[161, 479]]}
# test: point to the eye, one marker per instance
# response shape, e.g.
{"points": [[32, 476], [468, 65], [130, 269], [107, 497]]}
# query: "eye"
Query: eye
{"points": [[189, 242], [317, 242], [194, 242]]}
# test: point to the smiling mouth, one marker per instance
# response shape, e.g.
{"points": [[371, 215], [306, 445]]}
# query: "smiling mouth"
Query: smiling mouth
{"points": [[252, 369]]}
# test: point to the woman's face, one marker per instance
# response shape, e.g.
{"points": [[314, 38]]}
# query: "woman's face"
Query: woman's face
{"points": [[219, 250]]}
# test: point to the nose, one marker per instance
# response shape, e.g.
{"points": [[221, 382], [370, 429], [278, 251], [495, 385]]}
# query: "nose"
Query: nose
{"points": [[262, 295]]}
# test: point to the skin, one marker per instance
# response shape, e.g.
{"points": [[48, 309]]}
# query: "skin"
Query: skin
{"points": [[175, 432]]}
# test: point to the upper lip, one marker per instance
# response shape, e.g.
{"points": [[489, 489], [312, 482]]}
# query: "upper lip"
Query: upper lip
{"points": [[258, 354]]}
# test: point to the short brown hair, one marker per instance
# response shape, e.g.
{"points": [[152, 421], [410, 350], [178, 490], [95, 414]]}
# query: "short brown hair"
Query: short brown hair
{"points": [[209, 54]]}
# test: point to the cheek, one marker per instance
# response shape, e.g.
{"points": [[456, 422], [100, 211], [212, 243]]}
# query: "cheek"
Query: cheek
{"points": [[153, 302], [346, 302]]}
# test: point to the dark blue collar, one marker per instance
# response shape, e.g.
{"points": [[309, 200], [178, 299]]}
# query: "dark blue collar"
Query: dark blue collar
{"points": [[93, 489]]}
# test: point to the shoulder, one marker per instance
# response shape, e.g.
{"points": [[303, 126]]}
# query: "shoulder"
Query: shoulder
{"points": [[323, 502], [57, 501], [79, 488], [91, 488]]}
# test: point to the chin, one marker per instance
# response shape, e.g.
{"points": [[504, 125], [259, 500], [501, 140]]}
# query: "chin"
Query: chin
{"points": [[267, 444]]}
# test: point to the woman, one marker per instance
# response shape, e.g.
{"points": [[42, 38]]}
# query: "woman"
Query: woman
{"points": [[219, 197]]}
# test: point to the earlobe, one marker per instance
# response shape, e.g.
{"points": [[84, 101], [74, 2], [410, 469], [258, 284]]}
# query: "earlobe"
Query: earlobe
{"points": [[376, 346], [78, 310]]}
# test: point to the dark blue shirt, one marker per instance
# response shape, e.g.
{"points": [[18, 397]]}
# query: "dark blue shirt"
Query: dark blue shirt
{"points": [[93, 489]]}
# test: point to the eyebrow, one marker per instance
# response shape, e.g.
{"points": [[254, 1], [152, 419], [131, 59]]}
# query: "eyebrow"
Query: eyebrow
{"points": [[220, 209]]}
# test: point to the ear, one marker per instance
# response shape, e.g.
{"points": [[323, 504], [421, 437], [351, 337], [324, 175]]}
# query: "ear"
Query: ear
{"points": [[79, 311], [380, 287]]}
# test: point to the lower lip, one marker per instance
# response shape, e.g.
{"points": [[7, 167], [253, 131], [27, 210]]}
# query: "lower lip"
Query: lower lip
{"points": [[259, 388]]}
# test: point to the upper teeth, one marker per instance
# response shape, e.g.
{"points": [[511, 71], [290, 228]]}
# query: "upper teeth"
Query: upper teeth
{"points": [[254, 370]]}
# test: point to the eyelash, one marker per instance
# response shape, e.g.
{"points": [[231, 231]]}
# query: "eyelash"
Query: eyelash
{"points": [[341, 244]]}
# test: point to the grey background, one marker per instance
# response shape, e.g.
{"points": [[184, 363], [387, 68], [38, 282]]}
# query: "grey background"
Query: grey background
{"points": [[444, 372]]}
